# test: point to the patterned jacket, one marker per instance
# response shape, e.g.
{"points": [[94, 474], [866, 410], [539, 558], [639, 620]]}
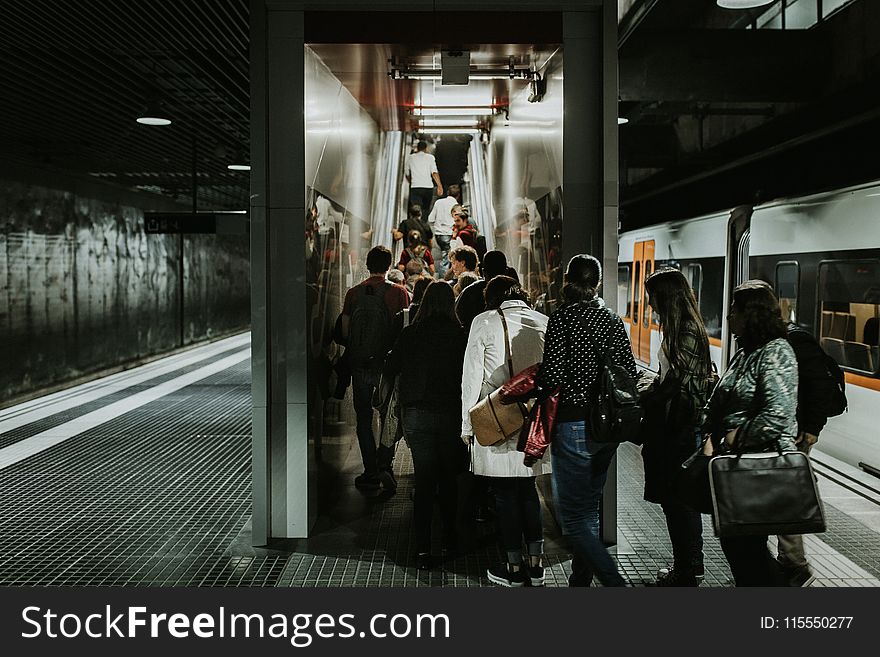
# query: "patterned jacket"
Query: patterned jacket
{"points": [[758, 395]]}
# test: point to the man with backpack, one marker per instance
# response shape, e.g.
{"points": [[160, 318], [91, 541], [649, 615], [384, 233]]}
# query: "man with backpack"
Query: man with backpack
{"points": [[820, 396], [366, 324]]}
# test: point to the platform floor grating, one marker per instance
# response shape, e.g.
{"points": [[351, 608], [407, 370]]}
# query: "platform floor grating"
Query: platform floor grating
{"points": [[160, 496]]}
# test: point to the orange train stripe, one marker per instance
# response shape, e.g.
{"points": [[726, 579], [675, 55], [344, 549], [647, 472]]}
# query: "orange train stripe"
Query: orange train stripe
{"points": [[862, 381], [715, 342]]}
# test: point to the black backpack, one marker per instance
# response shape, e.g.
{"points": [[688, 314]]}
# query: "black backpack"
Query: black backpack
{"points": [[837, 403], [369, 327], [834, 387], [613, 414]]}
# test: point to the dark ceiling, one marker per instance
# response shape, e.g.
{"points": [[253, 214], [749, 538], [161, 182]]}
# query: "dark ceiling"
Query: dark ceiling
{"points": [[75, 76], [718, 114]]}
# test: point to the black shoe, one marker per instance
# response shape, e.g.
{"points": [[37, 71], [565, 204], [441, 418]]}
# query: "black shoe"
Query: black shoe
{"points": [[367, 482], [798, 576], [423, 561], [503, 577], [536, 575], [673, 577], [386, 478]]}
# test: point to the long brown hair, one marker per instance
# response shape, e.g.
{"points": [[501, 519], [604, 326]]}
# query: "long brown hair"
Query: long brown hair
{"points": [[438, 302], [673, 298]]}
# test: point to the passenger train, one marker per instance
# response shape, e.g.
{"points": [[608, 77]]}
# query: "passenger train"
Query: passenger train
{"points": [[821, 253]]}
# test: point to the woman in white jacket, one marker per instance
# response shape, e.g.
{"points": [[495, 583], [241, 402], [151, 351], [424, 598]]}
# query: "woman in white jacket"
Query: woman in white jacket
{"points": [[485, 369]]}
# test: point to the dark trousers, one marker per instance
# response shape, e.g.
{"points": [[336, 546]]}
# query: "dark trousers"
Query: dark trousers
{"points": [[519, 516], [422, 197], [362, 384], [751, 562], [686, 533], [438, 457]]}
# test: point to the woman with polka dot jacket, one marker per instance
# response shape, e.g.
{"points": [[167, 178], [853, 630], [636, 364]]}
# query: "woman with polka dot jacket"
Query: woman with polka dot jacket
{"points": [[580, 465]]}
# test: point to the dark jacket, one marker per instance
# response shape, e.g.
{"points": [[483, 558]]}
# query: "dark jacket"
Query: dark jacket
{"points": [[471, 303], [435, 385], [813, 380], [673, 410], [570, 360]]}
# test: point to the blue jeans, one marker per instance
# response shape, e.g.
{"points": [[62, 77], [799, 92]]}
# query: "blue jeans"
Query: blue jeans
{"points": [[580, 468], [443, 242]]}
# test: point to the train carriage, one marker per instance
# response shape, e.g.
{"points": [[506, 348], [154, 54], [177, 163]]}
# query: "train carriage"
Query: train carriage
{"points": [[820, 252]]}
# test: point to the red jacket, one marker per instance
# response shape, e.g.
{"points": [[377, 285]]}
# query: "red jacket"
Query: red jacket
{"points": [[537, 433]]}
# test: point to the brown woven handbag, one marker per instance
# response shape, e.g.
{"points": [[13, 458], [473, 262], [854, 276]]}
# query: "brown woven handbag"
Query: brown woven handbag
{"points": [[492, 421]]}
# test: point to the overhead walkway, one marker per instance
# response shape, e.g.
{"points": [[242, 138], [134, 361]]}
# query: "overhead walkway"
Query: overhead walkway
{"points": [[143, 479]]}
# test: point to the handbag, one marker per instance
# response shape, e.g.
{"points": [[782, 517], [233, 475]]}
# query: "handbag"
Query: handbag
{"points": [[492, 421], [764, 493]]}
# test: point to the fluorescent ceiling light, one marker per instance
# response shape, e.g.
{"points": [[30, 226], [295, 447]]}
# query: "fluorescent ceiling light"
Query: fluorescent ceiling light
{"points": [[238, 167], [621, 120], [453, 111], [452, 131], [742, 4], [446, 122]]}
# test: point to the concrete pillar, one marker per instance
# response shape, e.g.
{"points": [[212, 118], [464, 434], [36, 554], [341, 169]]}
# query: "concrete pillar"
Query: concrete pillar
{"points": [[281, 463], [589, 162]]}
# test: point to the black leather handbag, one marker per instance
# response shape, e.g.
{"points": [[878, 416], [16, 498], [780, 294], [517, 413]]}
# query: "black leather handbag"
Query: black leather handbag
{"points": [[764, 493]]}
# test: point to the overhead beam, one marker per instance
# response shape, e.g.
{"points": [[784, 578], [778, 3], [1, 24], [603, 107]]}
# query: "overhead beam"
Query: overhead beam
{"points": [[724, 66]]}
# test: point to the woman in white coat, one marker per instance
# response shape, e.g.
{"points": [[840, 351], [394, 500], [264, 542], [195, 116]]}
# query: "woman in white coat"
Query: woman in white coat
{"points": [[485, 369]]}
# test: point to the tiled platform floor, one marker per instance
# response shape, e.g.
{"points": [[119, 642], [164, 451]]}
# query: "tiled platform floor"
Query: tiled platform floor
{"points": [[160, 496]]}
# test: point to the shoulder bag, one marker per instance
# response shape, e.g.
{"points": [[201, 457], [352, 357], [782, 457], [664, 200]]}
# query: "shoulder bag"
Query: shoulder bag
{"points": [[492, 421], [764, 493]]}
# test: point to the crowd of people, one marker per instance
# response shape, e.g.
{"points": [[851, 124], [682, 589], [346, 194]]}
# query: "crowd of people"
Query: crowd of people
{"points": [[436, 336]]}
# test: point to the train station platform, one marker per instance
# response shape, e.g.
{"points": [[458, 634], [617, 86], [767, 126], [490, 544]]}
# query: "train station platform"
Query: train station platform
{"points": [[143, 478]]}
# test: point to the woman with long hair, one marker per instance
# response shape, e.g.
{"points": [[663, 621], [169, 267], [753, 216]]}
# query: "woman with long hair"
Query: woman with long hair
{"points": [[430, 399], [673, 406], [754, 409], [508, 328], [580, 464]]}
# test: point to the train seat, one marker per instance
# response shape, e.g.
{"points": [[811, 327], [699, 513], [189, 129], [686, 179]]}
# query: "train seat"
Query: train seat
{"points": [[858, 356], [827, 316], [843, 327], [834, 348]]}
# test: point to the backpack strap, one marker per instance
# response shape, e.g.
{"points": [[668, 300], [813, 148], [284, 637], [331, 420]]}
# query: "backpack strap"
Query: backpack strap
{"points": [[507, 349]]}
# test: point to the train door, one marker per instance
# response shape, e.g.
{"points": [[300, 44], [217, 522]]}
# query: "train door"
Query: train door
{"points": [[640, 333]]}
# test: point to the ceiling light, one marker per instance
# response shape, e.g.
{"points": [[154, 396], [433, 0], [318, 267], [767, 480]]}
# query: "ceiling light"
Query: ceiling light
{"points": [[446, 122], [239, 161], [742, 4], [461, 110], [621, 120], [452, 131], [154, 114]]}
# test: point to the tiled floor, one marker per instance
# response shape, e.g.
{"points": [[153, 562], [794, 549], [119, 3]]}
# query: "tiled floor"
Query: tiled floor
{"points": [[160, 496]]}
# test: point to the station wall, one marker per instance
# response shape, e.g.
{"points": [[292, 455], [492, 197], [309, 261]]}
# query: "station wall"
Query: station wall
{"points": [[83, 288]]}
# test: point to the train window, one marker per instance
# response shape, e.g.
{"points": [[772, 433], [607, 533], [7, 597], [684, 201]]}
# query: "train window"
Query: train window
{"points": [[624, 302], [694, 273], [849, 312], [788, 274], [637, 293], [646, 320]]}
